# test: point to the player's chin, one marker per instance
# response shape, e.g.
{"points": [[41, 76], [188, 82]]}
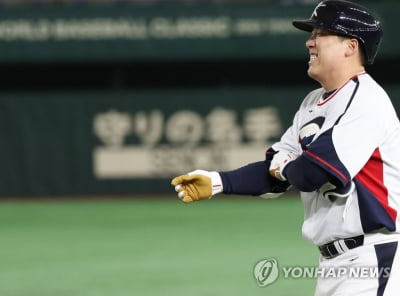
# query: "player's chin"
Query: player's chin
{"points": [[312, 73]]}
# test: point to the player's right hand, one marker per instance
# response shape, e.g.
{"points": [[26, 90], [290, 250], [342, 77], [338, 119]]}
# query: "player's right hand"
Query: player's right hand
{"points": [[197, 185]]}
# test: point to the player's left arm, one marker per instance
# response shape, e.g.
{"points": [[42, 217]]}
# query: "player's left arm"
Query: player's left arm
{"points": [[346, 147], [306, 176], [340, 151]]}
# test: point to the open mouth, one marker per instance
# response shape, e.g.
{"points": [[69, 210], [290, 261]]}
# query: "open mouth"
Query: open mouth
{"points": [[313, 57]]}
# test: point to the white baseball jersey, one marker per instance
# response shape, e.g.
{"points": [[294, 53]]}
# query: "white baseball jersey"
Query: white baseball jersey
{"points": [[354, 134]]}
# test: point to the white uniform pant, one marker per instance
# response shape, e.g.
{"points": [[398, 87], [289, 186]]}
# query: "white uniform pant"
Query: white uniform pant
{"points": [[372, 269]]}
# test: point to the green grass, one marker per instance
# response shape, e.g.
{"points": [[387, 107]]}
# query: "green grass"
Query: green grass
{"points": [[150, 247]]}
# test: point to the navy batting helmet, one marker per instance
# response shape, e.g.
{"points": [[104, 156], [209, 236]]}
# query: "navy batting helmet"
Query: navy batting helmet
{"points": [[346, 19]]}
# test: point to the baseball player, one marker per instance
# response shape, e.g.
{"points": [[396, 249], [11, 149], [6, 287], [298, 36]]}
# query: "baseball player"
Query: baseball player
{"points": [[341, 153]]}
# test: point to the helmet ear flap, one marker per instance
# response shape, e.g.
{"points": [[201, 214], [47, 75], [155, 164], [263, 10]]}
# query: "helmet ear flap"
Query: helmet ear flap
{"points": [[346, 19]]}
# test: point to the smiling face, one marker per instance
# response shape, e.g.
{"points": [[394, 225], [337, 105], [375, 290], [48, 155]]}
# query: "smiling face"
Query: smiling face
{"points": [[327, 54]]}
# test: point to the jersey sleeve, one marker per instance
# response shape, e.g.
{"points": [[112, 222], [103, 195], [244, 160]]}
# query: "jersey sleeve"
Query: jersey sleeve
{"points": [[289, 141], [345, 147]]}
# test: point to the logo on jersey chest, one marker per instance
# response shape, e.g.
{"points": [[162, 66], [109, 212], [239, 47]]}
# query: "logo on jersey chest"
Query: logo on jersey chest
{"points": [[309, 130]]}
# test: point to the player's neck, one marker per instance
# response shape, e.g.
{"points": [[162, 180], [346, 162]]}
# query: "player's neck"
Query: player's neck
{"points": [[335, 81]]}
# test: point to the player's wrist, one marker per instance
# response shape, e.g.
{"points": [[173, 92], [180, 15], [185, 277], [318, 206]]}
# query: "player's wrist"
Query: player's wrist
{"points": [[215, 177], [279, 163]]}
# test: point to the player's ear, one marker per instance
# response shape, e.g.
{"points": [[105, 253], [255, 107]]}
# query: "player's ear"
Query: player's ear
{"points": [[352, 47]]}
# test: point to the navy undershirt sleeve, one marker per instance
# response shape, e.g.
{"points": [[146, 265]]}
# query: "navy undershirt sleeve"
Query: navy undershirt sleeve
{"points": [[305, 175], [252, 179]]}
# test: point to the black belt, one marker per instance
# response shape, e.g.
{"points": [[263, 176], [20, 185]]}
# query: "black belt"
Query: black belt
{"points": [[340, 246]]}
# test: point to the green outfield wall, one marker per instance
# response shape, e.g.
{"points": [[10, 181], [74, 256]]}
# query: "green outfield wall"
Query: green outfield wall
{"points": [[134, 142], [130, 141], [93, 33]]}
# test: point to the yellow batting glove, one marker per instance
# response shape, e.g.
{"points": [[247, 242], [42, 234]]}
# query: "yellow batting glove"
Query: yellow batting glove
{"points": [[197, 185]]}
